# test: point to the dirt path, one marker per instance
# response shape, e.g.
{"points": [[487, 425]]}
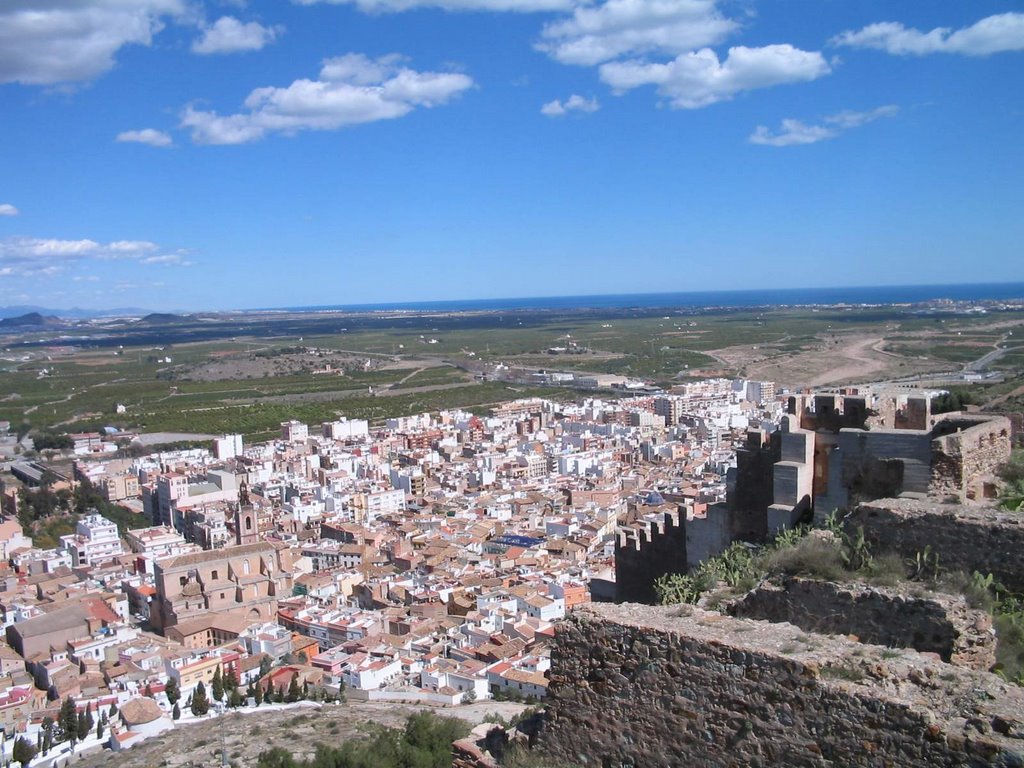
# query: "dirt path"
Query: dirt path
{"points": [[851, 361]]}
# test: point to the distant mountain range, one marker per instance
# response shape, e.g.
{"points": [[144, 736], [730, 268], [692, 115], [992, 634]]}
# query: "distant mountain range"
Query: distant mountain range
{"points": [[70, 314], [32, 320]]}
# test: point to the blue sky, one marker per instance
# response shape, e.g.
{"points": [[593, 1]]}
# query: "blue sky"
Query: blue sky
{"points": [[203, 154]]}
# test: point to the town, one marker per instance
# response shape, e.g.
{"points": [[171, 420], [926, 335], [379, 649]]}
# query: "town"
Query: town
{"points": [[428, 560]]}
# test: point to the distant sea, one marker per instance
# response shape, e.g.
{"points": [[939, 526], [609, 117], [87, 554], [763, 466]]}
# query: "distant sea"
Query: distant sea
{"points": [[891, 294]]}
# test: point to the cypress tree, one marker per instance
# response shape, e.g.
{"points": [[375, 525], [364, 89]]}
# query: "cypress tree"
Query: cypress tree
{"points": [[293, 689], [230, 680], [217, 685], [200, 704], [172, 690], [67, 721], [82, 727], [24, 751]]}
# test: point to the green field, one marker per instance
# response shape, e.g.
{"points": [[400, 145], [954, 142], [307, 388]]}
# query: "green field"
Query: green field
{"points": [[71, 388]]}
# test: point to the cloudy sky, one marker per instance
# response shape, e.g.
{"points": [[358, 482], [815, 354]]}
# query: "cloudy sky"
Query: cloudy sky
{"points": [[203, 154]]}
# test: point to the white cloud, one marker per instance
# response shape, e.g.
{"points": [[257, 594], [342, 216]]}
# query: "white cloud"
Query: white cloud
{"points": [[150, 136], [848, 119], [351, 89], [698, 79], [44, 42], [47, 256], [574, 103], [6, 209], [229, 35], [597, 33], [792, 133], [993, 34], [395, 6], [795, 133], [168, 260]]}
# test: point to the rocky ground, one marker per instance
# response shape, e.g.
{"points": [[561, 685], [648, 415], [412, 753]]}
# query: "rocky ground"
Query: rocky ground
{"points": [[298, 728]]}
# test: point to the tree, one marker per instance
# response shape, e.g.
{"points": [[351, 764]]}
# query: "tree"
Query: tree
{"points": [[67, 721], [24, 751], [176, 712], [230, 680], [83, 726], [47, 734], [258, 694], [200, 704], [293, 689], [265, 665], [172, 690], [235, 699], [217, 685], [99, 730], [113, 709]]}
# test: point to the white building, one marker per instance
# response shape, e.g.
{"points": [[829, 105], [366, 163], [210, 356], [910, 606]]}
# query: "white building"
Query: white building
{"points": [[95, 540], [346, 429], [294, 431], [372, 505], [228, 447], [366, 673]]}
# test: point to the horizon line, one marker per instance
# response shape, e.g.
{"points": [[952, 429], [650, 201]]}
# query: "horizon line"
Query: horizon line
{"points": [[423, 303]]}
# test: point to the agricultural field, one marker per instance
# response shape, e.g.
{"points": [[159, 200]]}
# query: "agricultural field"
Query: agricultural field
{"points": [[247, 373]]}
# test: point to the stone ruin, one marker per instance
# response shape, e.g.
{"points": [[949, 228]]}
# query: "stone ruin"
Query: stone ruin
{"points": [[943, 625], [832, 451], [667, 686], [799, 671]]}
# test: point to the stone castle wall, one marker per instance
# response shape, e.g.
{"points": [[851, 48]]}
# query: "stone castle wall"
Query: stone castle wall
{"points": [[940, 624], [668, 686], [962, 460], [645, 554], [968, 539]]}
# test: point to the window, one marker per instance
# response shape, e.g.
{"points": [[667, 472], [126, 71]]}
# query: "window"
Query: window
{"points": [[245, 567], [214, 576], [248, 523], [182, 581]]}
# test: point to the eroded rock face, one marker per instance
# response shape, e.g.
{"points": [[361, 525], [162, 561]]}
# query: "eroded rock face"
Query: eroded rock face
{"points": [[942, 624], [669, 686]]}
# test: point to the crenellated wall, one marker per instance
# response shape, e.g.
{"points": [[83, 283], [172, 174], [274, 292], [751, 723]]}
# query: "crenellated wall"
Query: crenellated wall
{"points": [[646, 553], [661, 687]]}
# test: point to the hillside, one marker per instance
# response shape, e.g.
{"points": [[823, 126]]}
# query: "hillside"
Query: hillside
{"points": [[297, 728], [32, 320]]}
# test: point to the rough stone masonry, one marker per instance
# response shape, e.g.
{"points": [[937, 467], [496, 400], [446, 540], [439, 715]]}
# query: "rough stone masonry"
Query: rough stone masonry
{"points": [[650, 687], [894, 617], [983, 539]]}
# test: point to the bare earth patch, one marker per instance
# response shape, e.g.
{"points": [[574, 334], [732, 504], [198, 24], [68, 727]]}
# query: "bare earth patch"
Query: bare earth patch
{"points": [[832, 360]]}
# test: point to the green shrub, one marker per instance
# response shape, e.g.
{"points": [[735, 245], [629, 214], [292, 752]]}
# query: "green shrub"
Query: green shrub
{"points": [[811, 557]]}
